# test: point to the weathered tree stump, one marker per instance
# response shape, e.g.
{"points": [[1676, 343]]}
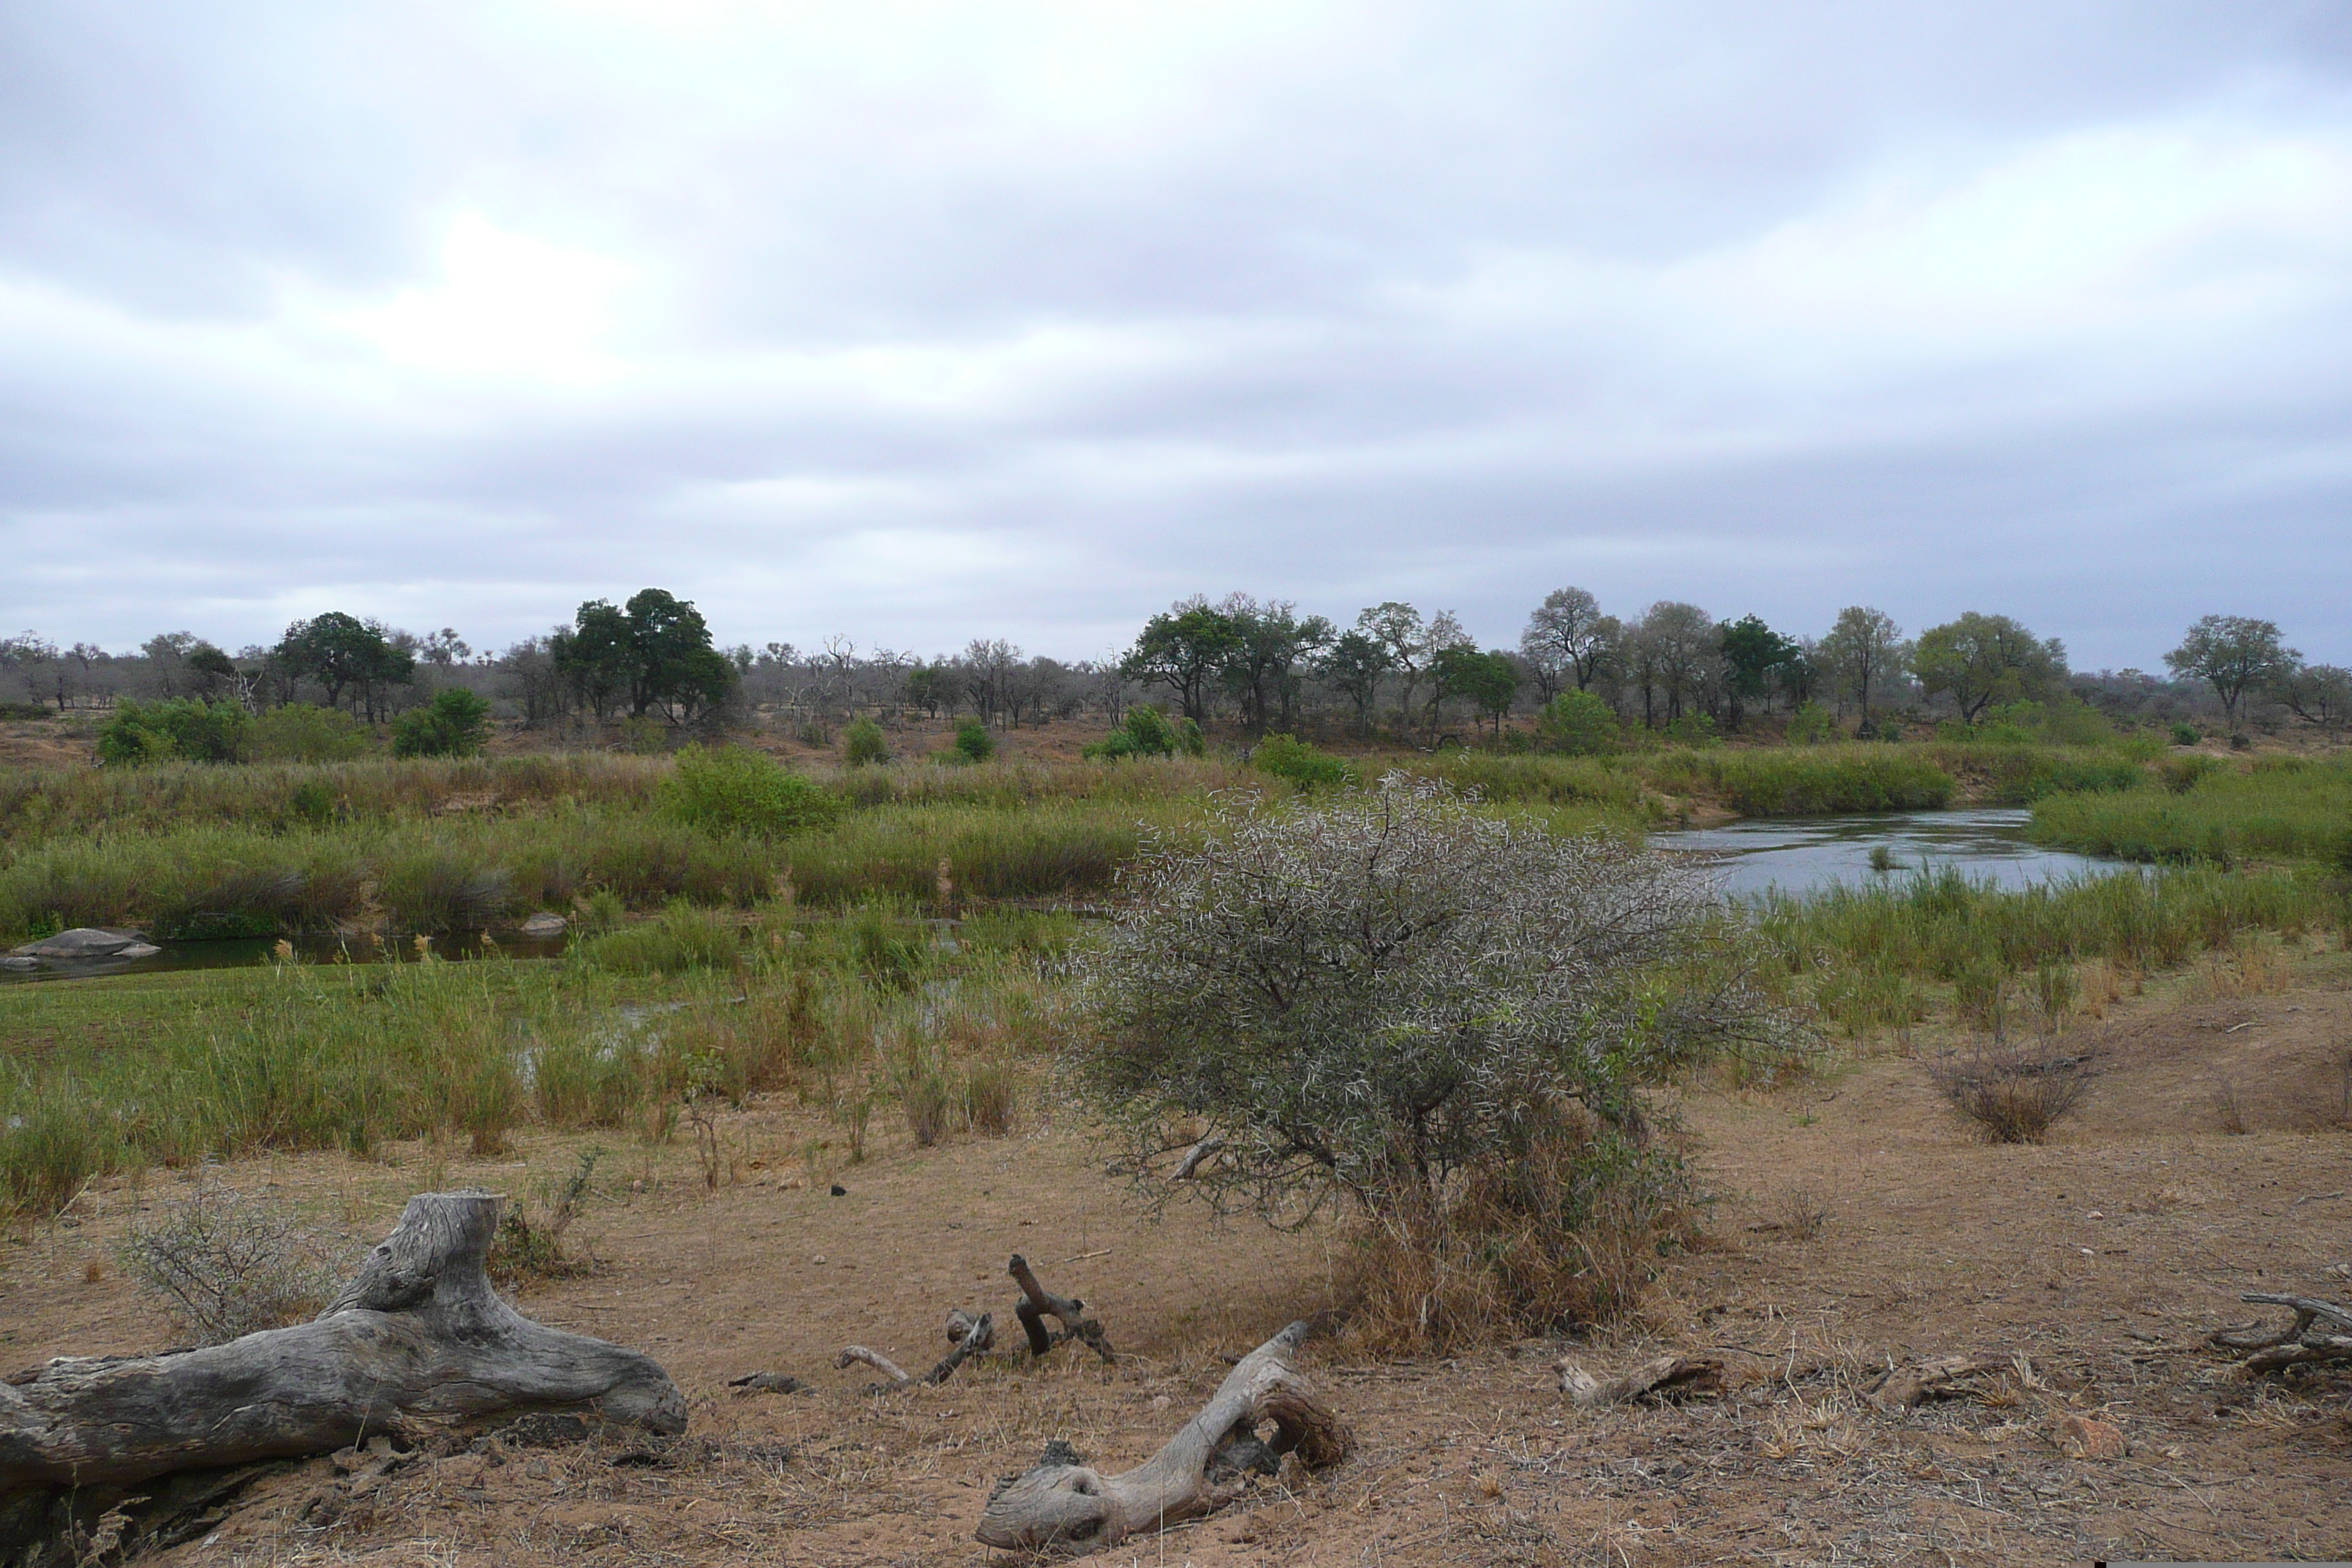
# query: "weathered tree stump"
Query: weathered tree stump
{"points": [[1037, 1304], [1667, 1377], [417, 1342], [1061, 1504]]}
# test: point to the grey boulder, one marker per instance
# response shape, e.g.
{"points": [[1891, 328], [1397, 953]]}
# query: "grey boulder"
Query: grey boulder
{"points": [[545, 924], [85, 942]]}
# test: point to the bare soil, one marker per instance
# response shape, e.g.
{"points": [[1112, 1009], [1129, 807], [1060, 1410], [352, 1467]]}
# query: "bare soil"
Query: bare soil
{"points": [[1857, 1224]]}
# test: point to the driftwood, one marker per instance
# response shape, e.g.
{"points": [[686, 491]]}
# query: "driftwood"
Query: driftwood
{"points": [[1908, 1387], [1196, 1155], [1062, 1503], [417, 1341], [1664, 1376], [1037, 1304], [971, 1336], [2321, 1332]]}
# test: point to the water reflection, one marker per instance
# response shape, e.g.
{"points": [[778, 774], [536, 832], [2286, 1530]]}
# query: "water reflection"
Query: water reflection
{"points": [[1799, 855], [455, 946]]}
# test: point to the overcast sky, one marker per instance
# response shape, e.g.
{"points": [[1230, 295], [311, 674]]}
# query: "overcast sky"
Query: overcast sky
{"points": [[922, 322]]}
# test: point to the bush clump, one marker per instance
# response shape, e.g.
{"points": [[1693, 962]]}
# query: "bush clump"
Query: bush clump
{"points": [[180, 728], [862, 743], [2014, 1094], [1289, 757], [1398, 1003], [453, 724], [306, 733], [973, 742], [727, 789], [1578, 724], [223, 1264]]}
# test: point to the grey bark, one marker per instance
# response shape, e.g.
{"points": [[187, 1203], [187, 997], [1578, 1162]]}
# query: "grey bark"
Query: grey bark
{"points": [[1061, 1504], [416, 1341]]}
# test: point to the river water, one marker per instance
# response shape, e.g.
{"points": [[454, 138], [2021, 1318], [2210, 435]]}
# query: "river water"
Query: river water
{"points": [[1799, 855]]}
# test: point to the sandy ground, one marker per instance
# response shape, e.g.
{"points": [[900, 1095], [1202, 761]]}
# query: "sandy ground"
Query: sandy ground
{"points": [[2103, 1258]]}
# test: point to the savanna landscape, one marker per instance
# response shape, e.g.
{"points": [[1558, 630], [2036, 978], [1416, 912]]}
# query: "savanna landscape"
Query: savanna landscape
{"points": [[1906, 1217]]}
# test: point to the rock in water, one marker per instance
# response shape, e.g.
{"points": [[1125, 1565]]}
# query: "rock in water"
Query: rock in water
{"points": [[82, 941], [544, 924]]}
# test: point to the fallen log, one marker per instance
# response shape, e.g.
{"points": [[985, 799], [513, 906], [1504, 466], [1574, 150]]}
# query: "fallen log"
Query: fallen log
{"points": [[1062, 1503], [1666, 1376], [417, 1342], [1037, 1304], [2321, 1332]]}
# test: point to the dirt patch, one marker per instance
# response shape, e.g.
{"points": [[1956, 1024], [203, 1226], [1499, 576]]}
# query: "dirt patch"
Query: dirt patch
{"points": [[1857, 1225]]}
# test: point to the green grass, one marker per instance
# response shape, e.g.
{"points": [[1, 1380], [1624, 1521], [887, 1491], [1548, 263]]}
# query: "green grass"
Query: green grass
{"points": [[2284, 809], [1804, 780], [106, 1074], [1866, 957]]}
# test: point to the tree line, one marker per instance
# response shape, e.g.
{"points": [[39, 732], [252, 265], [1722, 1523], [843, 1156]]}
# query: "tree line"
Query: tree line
{"points": [[1261, 665]]}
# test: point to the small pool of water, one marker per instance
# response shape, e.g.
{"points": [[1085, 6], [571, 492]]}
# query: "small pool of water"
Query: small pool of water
{"points": [[309, 949], [1802, 854]]}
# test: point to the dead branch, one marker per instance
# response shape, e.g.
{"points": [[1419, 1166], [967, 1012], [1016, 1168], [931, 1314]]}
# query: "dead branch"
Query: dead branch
{"points": [[771, 1382], [1038, 1303], [977, 1334], [1194, 1155], [1906, 1387], [1666, 1376], [1062, 1503], [416, 1341], [2321, 1332]]}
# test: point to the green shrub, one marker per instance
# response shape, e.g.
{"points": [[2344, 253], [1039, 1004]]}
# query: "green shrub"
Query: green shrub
{"points": [[1580, 724], [1289, 757], [453, 724], [1144, 732], [730, 790], [305, 732], [862, 743], [184, 729], [1811, 725], [2185, 735], [1692, 730], [973, 744]]}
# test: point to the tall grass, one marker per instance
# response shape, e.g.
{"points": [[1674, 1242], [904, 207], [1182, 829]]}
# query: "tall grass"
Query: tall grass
{"points": [[1866, 957], [1799, 781], [2283, 808], [298, 1056]]}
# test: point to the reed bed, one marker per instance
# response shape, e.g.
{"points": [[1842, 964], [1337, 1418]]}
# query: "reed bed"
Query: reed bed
{"points": [[2277, 808], [1804, 781], [623, 1034]]}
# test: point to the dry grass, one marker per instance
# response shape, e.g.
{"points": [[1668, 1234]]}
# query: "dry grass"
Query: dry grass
{"points": [[2014, 1094]]}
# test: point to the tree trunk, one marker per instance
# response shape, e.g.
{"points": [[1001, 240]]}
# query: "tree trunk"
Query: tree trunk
{"points": [[1062, 1503], [416, 1341]]}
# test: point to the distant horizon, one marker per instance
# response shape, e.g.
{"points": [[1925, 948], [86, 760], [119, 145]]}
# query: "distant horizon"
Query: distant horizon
{"points": [[1022, 320]]}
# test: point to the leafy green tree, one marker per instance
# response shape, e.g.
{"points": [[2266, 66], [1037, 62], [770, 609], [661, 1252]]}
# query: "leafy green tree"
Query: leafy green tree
{"points": [[1753, 655], [2236, 654], [211, 668], [1810, 725], [653, 654], [343, 653], [1185, 648], [927, 686], [1579, 724], [178, 729], [453, 724], [1978, 660], [1270, 644], [1354, 665], [1489, 680]]}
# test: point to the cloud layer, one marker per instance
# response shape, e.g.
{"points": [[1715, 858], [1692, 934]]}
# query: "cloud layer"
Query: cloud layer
{"points": [[927, 321]]}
